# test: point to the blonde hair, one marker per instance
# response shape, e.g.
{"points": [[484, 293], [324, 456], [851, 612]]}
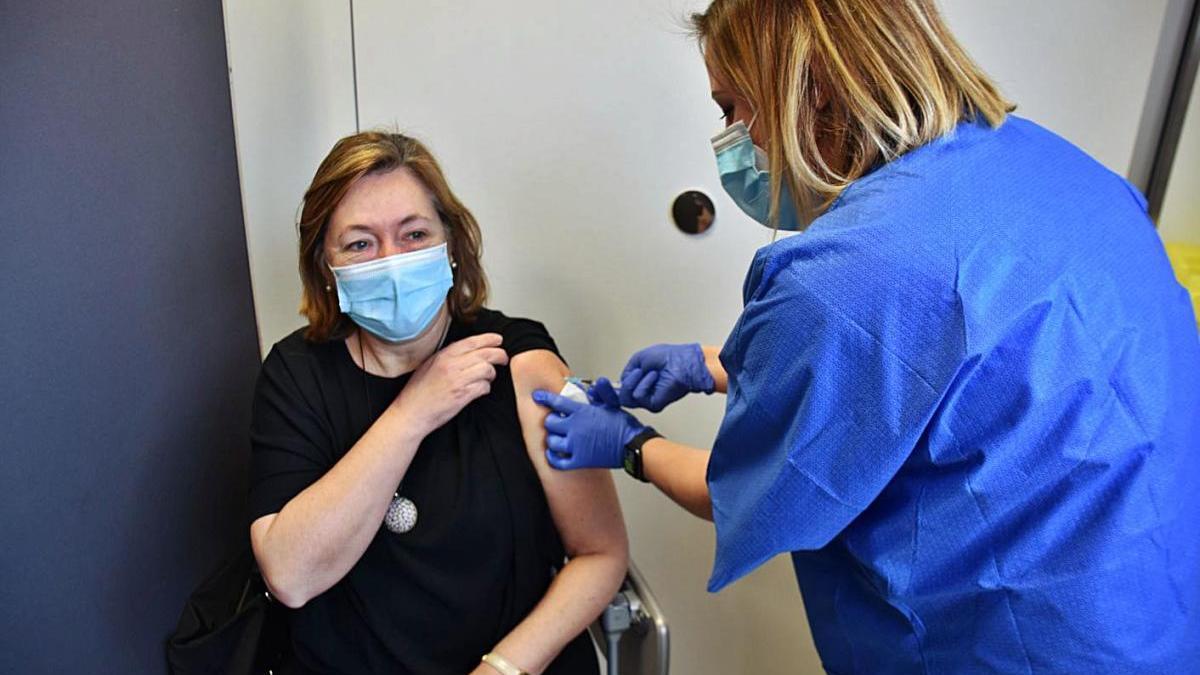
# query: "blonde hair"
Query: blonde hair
{"points": [[867, 79], [373, 152]]}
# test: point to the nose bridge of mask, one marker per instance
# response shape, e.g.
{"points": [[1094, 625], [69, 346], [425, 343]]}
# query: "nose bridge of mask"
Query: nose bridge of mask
{"points": [[392, 262], [730, 136], [734, 143]]}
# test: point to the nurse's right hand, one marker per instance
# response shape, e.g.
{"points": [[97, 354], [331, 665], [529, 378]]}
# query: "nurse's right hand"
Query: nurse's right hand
{"points": [[657, 376]]}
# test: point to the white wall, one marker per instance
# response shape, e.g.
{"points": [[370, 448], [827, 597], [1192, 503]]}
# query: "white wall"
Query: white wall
{"points": [[293, 97], [1079, 67], [568, 128]]}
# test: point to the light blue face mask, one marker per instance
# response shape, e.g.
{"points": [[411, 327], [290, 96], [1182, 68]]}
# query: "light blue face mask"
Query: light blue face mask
{"points": [[743, 169], [397, 297]]}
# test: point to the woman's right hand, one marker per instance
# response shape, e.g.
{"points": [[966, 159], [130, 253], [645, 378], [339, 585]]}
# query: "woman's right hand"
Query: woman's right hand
{"points": [[450, 379]]}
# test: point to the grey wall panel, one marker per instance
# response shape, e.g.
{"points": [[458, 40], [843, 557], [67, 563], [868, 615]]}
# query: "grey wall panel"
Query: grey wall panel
{"points": [[128, 348]]}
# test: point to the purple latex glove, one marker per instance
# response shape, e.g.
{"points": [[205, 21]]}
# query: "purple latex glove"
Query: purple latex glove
{"points": [[583, 436], [603, 393], [657, 376]]}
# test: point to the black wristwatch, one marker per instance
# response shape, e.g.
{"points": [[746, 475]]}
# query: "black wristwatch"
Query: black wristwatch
{"points": [[633, 453]]}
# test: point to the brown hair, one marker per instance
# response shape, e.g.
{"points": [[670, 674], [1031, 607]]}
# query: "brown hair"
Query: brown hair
{"points": [[872, 79], [351, 158]]}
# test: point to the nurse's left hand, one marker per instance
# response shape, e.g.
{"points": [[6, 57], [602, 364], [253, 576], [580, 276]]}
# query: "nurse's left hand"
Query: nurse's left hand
{"points": [[657, 376], [583, 436]]}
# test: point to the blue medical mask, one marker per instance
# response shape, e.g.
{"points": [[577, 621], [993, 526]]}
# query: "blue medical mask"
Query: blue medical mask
{"points": [[397, 297], [743, 169]]}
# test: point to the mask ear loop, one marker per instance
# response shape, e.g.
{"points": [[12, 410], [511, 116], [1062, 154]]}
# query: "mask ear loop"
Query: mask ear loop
{"points": [[775, 226]]}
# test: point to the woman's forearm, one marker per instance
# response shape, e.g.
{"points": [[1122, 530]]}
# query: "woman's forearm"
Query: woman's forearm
{"points": [[578, 594], [712, 359], [680, 472], [321, 533]]}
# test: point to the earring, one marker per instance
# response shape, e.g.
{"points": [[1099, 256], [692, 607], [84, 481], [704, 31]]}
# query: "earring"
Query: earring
{"points": [[328, 288], [453, 265]]}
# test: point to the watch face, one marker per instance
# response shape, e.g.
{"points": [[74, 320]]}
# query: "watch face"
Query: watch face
{"points": [[633, 462]]}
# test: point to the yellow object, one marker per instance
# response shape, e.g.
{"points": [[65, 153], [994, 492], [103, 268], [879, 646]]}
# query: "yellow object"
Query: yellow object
{"points": [[1185, 258]]}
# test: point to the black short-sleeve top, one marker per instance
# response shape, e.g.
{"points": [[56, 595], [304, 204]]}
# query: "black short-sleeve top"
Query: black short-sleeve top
{"points": [[434, 599]]}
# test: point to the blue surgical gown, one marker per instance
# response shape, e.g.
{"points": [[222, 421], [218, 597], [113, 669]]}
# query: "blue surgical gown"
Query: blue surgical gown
{"points": [[967, 402]]}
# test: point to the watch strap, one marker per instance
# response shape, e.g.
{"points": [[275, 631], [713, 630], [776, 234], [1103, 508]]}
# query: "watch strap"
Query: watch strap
{"points": [[633, 453]]}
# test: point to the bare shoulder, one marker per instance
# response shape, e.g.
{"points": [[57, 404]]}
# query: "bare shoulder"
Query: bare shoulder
{"points": [[537, 369]]}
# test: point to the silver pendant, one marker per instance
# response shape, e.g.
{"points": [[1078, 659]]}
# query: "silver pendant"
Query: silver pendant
{"points": [[401, 515]]}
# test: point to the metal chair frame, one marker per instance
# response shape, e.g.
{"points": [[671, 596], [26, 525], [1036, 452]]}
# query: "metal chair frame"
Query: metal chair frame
{"points": [[632, 632]]}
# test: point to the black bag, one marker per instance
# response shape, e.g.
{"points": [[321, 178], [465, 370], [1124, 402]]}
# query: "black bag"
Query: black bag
{"points": [[230, 625]]}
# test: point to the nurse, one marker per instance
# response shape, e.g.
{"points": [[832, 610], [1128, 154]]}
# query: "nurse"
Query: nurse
{"points": [[966, 399]]}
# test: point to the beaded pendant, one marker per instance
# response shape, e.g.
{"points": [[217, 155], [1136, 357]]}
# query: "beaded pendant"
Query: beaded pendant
{"points": [[401, 515]]}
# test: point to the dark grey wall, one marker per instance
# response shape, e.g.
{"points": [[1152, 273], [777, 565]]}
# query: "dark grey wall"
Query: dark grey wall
{"points": [[127, 338]]}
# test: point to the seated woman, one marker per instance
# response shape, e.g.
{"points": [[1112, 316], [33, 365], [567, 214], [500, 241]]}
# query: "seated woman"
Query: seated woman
{"points": [[401, 501]]}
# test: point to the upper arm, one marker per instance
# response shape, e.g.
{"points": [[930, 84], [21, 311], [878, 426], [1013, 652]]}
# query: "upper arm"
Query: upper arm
{"points": [[290, 448], [583, 503]]}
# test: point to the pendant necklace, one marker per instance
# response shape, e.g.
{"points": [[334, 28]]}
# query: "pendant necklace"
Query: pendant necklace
{"points": [[401, 514]]}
